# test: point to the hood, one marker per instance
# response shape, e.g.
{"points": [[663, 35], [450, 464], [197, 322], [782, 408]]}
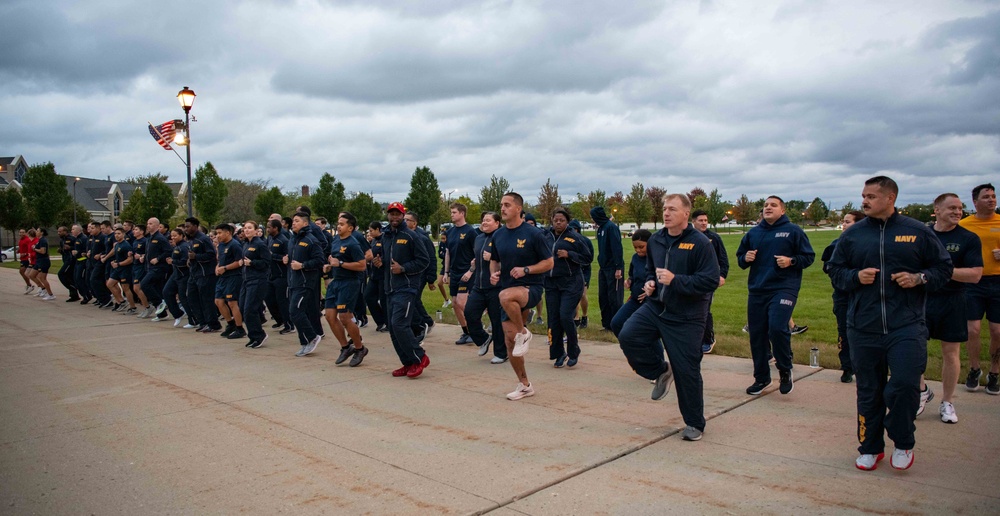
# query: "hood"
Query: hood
{"points": [[597, 213], [781, 221]]}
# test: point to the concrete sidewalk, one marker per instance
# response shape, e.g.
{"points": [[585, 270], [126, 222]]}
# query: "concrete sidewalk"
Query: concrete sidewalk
{"points": [[109, 414]]}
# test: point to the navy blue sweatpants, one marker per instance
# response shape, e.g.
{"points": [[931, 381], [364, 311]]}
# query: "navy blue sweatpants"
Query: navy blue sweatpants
{"points": [[488, 301], [640, 341], [904, 352], [402, 310], [767, 316], [561, 297]]}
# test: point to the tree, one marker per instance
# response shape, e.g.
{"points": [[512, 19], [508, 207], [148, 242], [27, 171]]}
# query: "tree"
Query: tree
{"points": [[695, 193], [293, 199], [365, 209], [13, 210], [135, 210], [548, 200], [329, 198], [65, 217], [490, 195], [209, 192], [160, 201], [817, 211], [240, 198], [715, 207], [744, 211], [425, 195], [795, 209], [473, 211], [144, 179], [580, 208], [849, 207], [615, 203], [637, 205], [921, 212], [268, 202], [655, 195], [597, 198], [45, 193]]}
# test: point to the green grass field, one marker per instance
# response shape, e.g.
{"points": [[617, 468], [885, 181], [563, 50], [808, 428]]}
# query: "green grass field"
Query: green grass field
{"points": [[814, 309]]}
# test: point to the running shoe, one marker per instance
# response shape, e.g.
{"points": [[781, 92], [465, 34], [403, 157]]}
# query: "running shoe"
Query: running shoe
{"points": [[359, 355], [758, 387], [691, 433], [925, 395], [785, 384], [708, 347], [345, 353], [497, 360], [799, 330], [901, 459], [485, 347], [868, 461], [254, 344], [311, 347], [28, 289], [522, 391], [464, 339], [993, 383], [521, 341], [446, 304], [948, 413], [561, 361], [662, 385], [972, 380]]}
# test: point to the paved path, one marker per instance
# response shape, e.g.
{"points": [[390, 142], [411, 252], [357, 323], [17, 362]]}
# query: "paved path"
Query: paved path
{"points": [[107, 414]]}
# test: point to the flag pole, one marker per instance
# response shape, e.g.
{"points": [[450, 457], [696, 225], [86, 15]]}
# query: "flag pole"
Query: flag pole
{"points": [[160, 135]]}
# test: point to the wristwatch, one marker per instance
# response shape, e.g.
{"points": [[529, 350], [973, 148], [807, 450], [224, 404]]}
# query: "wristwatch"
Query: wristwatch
{"points": [[923, 279], [527, 271]]}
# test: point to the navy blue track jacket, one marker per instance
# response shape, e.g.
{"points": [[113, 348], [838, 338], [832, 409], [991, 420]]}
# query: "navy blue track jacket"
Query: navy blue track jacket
{"points": [[692, 258], [769, 240]]}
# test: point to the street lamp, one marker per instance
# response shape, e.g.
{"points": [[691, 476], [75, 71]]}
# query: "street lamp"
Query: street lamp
{"points": [[74, 199], [449, 195], [186, 98]]}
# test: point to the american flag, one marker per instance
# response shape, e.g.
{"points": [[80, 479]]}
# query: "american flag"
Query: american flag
{"points": [[166, 130]]}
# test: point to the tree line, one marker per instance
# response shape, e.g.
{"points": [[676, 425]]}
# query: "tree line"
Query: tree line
{"points": [[45, 201]]}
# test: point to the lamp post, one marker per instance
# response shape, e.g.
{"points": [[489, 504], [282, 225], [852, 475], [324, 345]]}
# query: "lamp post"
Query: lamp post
{"points": [[74, 199], [186, 98]]}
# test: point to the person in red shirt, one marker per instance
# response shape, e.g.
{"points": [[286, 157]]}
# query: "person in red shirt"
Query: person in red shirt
{"points": [[23, 249]]}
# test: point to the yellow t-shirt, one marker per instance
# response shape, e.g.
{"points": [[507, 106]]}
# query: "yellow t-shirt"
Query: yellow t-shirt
{"points": [[989, 234]]}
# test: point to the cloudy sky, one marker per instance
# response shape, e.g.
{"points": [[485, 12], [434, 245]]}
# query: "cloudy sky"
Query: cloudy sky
{"points": [[801, 98]]}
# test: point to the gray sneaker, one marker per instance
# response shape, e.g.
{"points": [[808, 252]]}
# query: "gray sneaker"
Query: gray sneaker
{"points": [[486, 346], [691, 433], [145, 313], [662, 385], [311, 347], [301, 352]]}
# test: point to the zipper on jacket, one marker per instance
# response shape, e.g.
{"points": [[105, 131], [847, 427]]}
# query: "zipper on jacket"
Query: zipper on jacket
{"points": [[881, 283]]}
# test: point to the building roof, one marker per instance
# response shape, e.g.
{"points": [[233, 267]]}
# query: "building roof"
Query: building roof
{"points": [[89, 191]]}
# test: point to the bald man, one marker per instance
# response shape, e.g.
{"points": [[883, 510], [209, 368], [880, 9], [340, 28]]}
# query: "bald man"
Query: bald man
{"points": [[157, 251]]}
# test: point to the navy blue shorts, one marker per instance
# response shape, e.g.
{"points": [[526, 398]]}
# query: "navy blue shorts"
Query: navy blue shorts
{"points": [[138, 274], [983, 298], [26, 264], [586, 277], [228, 288], [946, 317], [42, 265], [534, 297], [456, 286], [122, 274], [342, 294]]}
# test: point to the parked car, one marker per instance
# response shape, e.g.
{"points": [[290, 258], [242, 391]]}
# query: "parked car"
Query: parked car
{"points": [[8, 254]]}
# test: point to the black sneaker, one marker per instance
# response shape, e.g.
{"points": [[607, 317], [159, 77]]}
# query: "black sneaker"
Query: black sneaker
{"points": [[277, 325], [363, 322], [847, 377], [345, 353], [662, 385], [109, 304], [972, 381], [464, 339], [799, 330], [230, 328], [583, 322], [382, 328], [254, 344], [758, 387], [238, 333], [84, 300], [359, 355], [993, 383], [785, 385], [72, 299], [286, 330]]}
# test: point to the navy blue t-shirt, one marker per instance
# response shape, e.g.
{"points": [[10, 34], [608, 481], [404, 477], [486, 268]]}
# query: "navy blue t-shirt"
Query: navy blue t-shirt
{"points": [[346, 250], [460, 244], [122, 249], [138, 249], [965, 250], [229, 252], [522, 246]]}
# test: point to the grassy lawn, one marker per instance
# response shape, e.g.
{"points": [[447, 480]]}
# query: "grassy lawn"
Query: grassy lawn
{"points": [[814, 308]]}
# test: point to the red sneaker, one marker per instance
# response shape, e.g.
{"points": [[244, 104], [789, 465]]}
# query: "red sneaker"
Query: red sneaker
{"points": [[402, 371], [426, 361], [416, 369]]}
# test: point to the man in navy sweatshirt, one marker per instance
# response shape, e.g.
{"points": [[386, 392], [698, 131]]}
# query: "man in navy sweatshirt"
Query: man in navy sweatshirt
{"points": [[776, 251], [611, 266], [887, 263]]}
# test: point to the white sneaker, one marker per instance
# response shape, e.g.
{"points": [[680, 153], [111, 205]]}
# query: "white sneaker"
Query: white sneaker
{"points": [[48, 297], [28, 289], [521, 392], [161, 307], [41, 293], [925, 395], [868, 462], [158, 319], [521, 341], [901, 459], [188, 326], [446, 304], [177, 322], [497, 360], [311, 346], [948, 413]]}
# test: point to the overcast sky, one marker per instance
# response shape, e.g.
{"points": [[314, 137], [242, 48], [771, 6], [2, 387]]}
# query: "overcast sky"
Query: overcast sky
{"points": [[800, 98]]}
